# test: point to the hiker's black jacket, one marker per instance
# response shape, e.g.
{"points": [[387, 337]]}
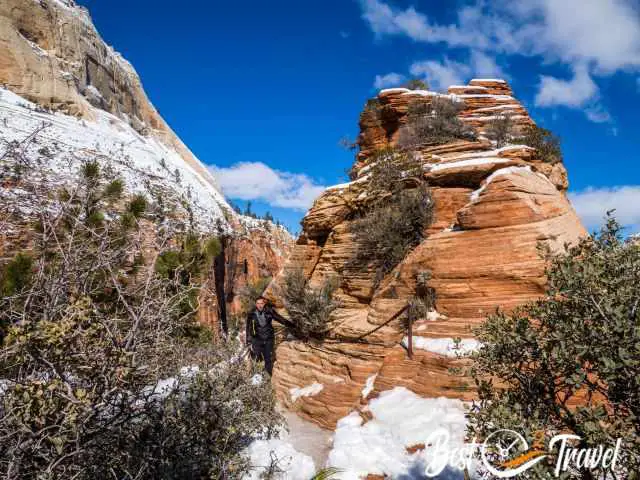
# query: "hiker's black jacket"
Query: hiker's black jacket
{"points": [[257, 332]]}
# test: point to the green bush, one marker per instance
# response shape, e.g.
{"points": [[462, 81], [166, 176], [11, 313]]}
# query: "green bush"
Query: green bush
{"points": [[309, 308], [433, 122], [501, 129], [387, 229], [91, 363], [416, 84], [569, 362], [544, 141], [16, 275], [137, 205]]}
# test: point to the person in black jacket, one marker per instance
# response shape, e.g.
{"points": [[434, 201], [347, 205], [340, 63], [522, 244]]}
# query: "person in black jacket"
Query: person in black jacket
{"points": [[260, 334]]}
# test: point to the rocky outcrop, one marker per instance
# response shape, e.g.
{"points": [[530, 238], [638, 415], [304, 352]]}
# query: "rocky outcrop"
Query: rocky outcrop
{"points": [[66, 98], [52, 55], [493, 207]]}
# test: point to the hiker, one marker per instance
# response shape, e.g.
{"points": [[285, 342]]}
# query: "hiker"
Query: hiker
{"points": [[260, 334]]}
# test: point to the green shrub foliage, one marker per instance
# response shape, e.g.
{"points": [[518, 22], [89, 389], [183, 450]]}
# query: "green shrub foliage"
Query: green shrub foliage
{"points": [[544, 141], [395, 221], [98, 378], [416, 84], [308, 307], [501, 129], [433, 121], [569, 362]]}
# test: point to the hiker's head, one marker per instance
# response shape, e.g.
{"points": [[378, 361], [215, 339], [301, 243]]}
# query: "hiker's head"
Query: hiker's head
{"points": [[260, 303]]}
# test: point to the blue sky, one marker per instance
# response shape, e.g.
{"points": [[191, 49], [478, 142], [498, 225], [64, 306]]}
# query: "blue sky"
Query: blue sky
{"points": [[265, 90]]}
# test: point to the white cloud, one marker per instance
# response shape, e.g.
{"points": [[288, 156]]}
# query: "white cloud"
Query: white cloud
{"points": [[389, 80], [603, 32], [598, 114], [579, 92], [257, 181], [571, 93], [592, 205], [483, 65], [440, 75], [595, 37]]}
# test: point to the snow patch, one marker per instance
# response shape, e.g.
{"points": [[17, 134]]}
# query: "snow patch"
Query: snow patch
{"points": [[503, 171], [498, 80], [444, 346], [308, 391], [433, 315], [466, 163], [141, 162], [401, 419], [368, 386], [290, 463]]}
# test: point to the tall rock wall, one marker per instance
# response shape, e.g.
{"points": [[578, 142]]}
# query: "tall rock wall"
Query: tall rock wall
{"points": [[52, 54], [493, 206], [66, 98]]}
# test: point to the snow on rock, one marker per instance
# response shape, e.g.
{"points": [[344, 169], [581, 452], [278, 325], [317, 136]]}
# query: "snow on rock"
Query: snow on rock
{"points": [[368, 386], [497, 80], [307, 391], [503, 171], [287, 462], [143, 163], [433, 315], [401, 419], [466, 163], [444, 346]]}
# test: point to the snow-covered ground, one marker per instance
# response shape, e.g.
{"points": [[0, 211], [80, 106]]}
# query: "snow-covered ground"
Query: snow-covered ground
{"points": [[141, 162], [408, 437], [401, 419]]}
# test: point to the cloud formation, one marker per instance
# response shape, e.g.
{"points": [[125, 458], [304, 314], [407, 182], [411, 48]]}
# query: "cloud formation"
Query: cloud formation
{"points": [[598, 37], [440, 75], [592, 205], [575, 92], [389, 80], [258, 181]]}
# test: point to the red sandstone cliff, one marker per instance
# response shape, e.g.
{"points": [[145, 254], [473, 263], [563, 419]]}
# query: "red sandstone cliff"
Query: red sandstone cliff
{"points": [[492, 208]]}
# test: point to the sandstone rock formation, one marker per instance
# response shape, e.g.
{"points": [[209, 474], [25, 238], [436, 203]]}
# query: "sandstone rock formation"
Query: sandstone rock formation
{"points": [[66, 97], [493, 206], [51, 54]]}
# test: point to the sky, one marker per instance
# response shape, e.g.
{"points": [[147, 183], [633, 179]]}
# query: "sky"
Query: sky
{"points": [[262, 92]]}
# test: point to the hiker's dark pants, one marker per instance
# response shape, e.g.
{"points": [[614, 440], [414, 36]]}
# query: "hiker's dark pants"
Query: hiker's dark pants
{"points": [[262, 351]]}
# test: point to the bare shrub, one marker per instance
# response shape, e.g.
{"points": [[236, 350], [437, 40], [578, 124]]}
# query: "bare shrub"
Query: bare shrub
{"points": [[395, 221], [501, 129], [309, 308], [544, 141], [433, 122], [99, 380]]}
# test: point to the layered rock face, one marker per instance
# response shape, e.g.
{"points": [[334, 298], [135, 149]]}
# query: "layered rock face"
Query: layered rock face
{"points": [[66, 98], [51, 54], [493, 206]]}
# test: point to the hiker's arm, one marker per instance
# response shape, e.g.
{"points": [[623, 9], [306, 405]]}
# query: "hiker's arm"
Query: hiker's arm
{"points": [[280, 319]]}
